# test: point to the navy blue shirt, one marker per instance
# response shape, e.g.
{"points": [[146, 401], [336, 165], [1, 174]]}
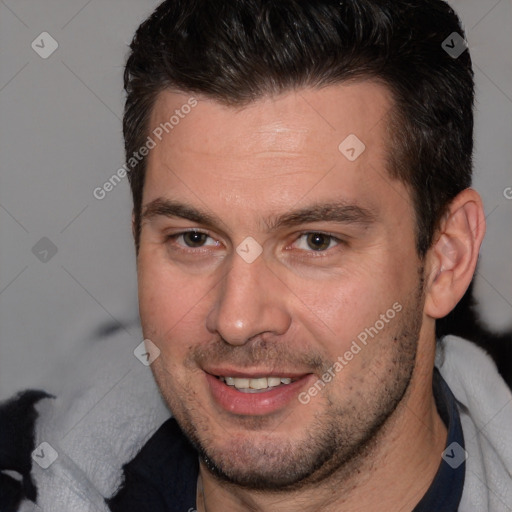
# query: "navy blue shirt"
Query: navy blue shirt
{"points": [[163, 475], [445, 492]]}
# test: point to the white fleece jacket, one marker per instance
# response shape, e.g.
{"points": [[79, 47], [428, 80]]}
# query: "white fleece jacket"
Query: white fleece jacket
{"points": [[113, 406]]}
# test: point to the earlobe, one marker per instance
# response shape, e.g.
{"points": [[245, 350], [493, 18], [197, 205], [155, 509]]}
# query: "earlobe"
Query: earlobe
{"points": [[453, 256]]}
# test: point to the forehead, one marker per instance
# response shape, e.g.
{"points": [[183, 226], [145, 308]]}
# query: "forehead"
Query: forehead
{"points": [[273, 153], [301, 121]]}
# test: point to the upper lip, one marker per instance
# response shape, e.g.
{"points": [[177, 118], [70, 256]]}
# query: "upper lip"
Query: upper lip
{"points": [[253, 374]]}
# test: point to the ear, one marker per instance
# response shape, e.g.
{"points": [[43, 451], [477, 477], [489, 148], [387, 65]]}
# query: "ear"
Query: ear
{"points": [[452, 259]]}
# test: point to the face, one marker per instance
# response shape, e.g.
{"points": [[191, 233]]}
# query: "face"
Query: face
{"points": [[279, 279]]}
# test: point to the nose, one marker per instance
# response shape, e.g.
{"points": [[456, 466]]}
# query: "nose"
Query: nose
{"points": [[251, 300]]}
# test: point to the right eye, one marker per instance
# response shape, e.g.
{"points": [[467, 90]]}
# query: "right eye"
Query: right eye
{"points": [[192, 239]]}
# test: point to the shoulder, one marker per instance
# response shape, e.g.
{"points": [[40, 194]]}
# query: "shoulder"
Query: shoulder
{"points": [[105, 409], [162, 477], [470, 372], [485, 405], [18, 417]]}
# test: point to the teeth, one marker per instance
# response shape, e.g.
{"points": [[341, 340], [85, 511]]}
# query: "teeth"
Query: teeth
{"points": [[255, 384], [258, 383], [241, 383]]}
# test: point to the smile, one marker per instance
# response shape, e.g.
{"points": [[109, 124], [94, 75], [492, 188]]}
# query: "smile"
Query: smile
{"points": [[259, 385], [255, 394]]}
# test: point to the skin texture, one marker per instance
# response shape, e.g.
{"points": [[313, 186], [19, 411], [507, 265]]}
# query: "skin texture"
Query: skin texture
{"points": [[295, 309]]}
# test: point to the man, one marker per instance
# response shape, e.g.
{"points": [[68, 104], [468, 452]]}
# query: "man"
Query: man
{"points": [[302, 216]]}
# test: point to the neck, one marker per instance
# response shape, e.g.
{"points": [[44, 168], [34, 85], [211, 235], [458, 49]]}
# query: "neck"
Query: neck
{"points": [[393, 473]]}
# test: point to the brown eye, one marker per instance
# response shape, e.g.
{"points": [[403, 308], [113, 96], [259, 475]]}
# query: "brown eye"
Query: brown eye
{"points": [[318, 241], [194, 238]]}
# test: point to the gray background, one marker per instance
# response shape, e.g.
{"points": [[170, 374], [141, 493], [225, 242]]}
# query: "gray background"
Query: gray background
{"points": [[60, 138]]}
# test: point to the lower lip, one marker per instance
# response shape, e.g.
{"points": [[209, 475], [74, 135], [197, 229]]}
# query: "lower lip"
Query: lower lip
{"points": [[255, 404]]}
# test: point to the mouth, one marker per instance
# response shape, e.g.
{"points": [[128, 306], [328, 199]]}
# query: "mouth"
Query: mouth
{"points": [[255, 394], [256, 385]]}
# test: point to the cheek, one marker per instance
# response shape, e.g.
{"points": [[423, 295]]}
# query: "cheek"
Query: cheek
{"points": [[340, 309], [339, 298], [170, 305]]}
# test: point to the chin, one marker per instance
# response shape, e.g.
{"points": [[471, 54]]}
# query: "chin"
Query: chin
{"points": [[260, 464]]}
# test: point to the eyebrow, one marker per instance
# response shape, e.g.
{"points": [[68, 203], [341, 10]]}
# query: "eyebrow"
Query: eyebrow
{"points": [[339, 212], [161, 207]]}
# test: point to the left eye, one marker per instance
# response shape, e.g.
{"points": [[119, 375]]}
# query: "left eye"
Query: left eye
{"points": [[318, 242]]}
